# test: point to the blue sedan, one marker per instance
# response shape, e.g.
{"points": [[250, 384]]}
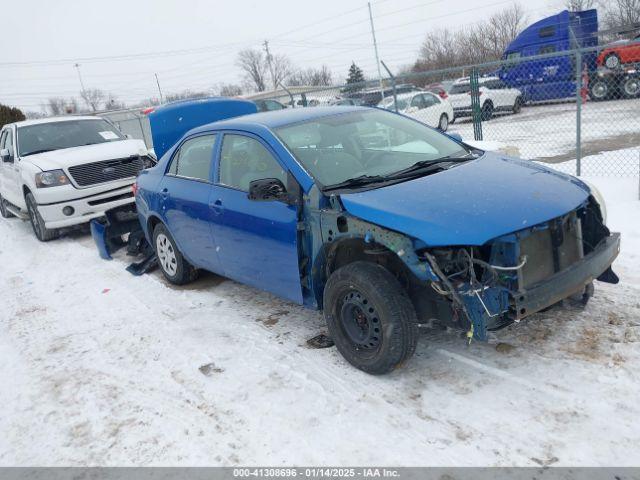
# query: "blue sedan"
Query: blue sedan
{"points": [[378, 220]]}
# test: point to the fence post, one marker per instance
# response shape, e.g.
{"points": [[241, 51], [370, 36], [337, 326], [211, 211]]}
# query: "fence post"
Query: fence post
{"points": [[475, 104], [578, 112]]}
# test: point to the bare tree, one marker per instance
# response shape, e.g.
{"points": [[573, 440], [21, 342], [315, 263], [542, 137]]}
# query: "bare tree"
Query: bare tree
{"points": [[112, 103], [230, 90], [483, 42], [280, 69], [254, 67], [621, 13], [580, 5], [93, 97], [185, 94], [311, 76], [61, 106]]}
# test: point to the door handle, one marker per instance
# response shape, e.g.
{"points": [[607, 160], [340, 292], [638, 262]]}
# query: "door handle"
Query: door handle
{"points": [[216, 206], [164, 193]]}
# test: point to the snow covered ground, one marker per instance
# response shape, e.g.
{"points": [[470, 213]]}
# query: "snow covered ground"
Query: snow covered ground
{"points": [[102, 368], [550, 131]]}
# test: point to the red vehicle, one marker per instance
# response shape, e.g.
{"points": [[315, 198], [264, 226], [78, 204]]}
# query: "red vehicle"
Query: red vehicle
{"points": [[618, 53]]}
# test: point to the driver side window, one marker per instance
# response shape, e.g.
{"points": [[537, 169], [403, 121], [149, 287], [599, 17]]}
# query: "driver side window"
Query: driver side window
{"points": [[194, 158], [244, 159]]}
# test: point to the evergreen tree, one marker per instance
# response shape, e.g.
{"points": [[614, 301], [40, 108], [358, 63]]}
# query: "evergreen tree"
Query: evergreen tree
{"points": [[355, 77], [10, 115]]}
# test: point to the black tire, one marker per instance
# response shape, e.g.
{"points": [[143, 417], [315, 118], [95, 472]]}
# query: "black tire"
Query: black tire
{"points": [[517, 105], [599, 90], [42, 233], [443, 123], [612, 61], [370, 317], [176, 270], [487, 111], [3, 209], [631, 87]]}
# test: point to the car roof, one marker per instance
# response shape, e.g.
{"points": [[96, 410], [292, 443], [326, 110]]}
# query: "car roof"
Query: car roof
{"points": [[66, 118], [480, 79], [279, 118]]}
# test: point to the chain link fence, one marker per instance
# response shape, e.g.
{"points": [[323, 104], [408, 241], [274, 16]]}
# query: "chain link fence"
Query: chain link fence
{"points": [[577, 110]]}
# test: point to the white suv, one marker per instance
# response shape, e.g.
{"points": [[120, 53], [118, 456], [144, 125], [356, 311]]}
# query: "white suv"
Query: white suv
{"points": [[495, 96], [59, 172]]}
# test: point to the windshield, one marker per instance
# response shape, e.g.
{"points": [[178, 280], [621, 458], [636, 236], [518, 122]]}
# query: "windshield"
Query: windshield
{"points": [[340, 147], [387, 103], [44, 137]]}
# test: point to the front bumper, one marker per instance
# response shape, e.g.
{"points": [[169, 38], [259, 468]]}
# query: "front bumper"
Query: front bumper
{"points": [[84, 209], [569, 281]]}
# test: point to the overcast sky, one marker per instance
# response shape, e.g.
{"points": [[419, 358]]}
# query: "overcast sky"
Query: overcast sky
{"points": [[42, 39]]}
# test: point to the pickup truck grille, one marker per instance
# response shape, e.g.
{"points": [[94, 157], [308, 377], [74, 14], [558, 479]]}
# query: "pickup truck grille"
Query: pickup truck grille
{"points": [[106, 171]]}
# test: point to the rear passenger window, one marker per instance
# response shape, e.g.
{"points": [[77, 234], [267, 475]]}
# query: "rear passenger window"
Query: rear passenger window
{"points": [[194, 158], [244, 159]]}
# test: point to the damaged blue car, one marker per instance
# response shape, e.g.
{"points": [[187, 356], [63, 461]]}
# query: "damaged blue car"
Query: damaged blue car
{"points": [[376, 219]]}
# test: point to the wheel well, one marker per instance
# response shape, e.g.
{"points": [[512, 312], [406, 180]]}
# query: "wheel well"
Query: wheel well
{"points": [[25, 191], [151, 224], [487, 102]]}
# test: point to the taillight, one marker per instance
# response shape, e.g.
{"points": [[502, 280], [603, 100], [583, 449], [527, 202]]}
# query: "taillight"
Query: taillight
{"points": [[134, 188], [147, 111], [443, 95]]}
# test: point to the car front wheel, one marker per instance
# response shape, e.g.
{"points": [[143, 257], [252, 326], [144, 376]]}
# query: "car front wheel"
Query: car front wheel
{"points": [[3, 209], [43, 233], [174, 266], [487, 111], [517, 106], [370, 317]]}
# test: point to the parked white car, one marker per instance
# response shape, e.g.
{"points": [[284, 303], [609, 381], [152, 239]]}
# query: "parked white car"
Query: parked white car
{"points": [[59, 172], [495, 96], [427, 107]]}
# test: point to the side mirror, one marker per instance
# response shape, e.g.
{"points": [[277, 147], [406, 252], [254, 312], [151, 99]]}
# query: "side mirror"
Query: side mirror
{"points": [[268, 189], [6, 156]]}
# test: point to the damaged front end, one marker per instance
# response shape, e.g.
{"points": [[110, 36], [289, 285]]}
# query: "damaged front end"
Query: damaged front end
{"points": [[511, 277]]}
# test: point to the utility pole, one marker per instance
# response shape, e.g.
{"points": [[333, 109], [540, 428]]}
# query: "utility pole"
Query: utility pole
{"points": [[159, 89], [375, 48], [77, 66], [273, 76]]}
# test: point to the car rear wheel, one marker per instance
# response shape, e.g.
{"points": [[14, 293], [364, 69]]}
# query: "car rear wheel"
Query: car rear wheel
{"points": [[631, 87], [443, 123], [174, 266], [3, 209], [43, 233], [517, 106], [370, 317], [487, 111], [612, 61]]}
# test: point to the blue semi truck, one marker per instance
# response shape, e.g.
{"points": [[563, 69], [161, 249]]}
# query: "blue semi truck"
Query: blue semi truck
{"points": [[546, 77]]}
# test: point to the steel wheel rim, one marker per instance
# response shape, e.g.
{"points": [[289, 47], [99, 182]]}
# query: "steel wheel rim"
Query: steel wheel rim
{"points": [[599, 90], [632, 87], [360, 322], [612, 61], [166, 254]]}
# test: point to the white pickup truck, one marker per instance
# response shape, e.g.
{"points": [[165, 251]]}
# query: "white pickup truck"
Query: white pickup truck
{"points": [[63, 171]]}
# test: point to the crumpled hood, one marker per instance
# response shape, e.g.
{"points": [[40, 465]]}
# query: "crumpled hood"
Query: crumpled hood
{"points": [[68, 157], [471, 203]]}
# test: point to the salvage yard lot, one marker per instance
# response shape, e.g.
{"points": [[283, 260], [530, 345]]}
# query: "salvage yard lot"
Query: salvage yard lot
{"points": [[103, 368], [606, 126]]}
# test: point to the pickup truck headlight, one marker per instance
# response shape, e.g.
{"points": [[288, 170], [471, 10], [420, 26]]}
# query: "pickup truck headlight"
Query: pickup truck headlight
{"points": [[52, 178]]}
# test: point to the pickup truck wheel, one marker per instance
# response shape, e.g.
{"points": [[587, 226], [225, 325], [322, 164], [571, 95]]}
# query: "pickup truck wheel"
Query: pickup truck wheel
{"points": [[3, 209], [174, 266], [599, 90], [370, 317], [487, 111], [43, 233], [631, 87], [443, 123]]}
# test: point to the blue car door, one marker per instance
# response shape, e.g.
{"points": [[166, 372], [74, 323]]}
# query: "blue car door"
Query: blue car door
{"points": [[184, 200], [257, 241]]}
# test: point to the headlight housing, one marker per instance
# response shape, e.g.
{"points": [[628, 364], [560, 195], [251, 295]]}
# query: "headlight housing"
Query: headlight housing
{"points": [[599, 198], [51, 178]]}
